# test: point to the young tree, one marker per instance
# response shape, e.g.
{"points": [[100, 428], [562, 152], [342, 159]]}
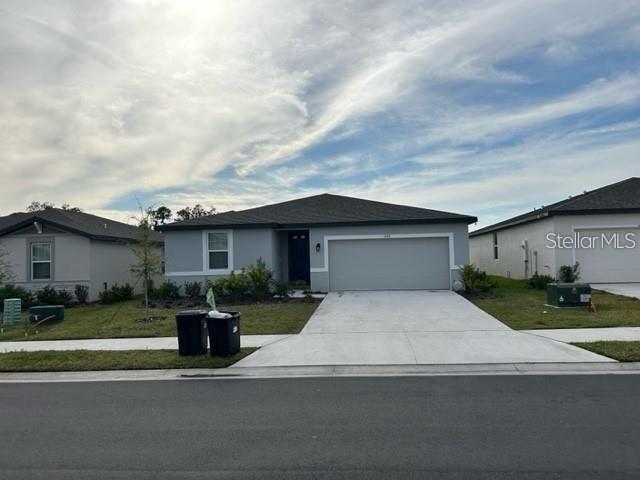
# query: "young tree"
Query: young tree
{"points": [[148, 261], [197, 211], [6, 272]]}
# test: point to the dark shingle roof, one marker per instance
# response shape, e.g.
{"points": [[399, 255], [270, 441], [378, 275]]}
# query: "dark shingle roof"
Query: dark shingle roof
{"points": [[321, 210], [92, 226], [620, 197]]}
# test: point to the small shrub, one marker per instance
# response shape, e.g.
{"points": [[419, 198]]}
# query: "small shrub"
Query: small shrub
{"points": [[166, 291], [82, 294], [569, 273], [298, 284], [50, 296], [259, 278], [216, 285], [475, 281], [236, 285], [11, 291], [116, 294], [192, 289], [281, 288], [539, 282]]}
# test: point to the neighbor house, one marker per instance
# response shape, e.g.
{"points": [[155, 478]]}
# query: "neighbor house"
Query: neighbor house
{"points": [[328, 242], [599, 229], [64, 248]]}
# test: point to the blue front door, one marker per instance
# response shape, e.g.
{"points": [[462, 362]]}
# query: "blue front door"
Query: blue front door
{"points": [[299, 256]]}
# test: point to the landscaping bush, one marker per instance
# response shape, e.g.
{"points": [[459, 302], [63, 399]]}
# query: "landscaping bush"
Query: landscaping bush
{"points": [[475, 281], [539, 282], [569, 273], [259, 279], [116, 294], [82, 294], [192, 289], [11, 291], [237, 285], [281, 288], [216, 285], [166, 291], [50, 296]]}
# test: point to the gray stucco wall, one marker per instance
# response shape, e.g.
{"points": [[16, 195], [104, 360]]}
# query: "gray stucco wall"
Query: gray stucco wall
{"points": [[70, 259], [320, 280], [511, 255], [111, 263], [185, 259]]}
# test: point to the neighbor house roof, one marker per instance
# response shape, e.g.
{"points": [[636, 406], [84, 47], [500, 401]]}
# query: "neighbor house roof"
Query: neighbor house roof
{"points": [[620, 197], [321, 210], [92, 226]]}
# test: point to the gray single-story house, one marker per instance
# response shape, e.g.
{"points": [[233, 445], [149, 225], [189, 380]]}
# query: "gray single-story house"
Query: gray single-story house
{"points": [[599, 229], [64, 248], [328, 242]]}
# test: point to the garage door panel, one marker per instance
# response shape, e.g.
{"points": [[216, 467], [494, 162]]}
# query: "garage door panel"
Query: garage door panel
{"points": [[389, 264], [607, 264]]}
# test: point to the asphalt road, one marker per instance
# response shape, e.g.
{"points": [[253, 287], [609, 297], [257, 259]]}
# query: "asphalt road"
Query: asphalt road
{"points": [[350, 428]]}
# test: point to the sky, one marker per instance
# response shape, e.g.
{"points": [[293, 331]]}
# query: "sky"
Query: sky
{"points": [[487, 108]]}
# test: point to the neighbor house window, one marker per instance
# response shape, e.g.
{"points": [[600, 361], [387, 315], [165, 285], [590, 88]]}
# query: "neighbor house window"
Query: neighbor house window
{"points": [[218, 244], [495, 245], [41, 261]]}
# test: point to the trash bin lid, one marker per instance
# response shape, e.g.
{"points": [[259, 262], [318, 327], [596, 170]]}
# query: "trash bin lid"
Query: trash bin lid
{"points": [[191, 313]]}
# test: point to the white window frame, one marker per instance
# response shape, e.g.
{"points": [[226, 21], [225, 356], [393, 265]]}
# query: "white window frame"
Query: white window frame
{"points": [[32, 261], [205, 253]]}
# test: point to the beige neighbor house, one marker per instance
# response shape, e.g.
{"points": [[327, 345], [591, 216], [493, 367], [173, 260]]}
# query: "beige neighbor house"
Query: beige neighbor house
{"points": [[599, 229], [63, 248]]}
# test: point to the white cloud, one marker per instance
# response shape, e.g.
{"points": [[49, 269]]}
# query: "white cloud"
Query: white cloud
{"points": [[104, 100]]}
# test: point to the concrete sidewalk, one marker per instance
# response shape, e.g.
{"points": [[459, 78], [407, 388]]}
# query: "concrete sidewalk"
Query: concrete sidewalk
{"points": [[153, 343], [575, 335], [626, 289]]}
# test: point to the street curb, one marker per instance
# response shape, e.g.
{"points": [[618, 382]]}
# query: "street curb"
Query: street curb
{"points": [[608, 368]]}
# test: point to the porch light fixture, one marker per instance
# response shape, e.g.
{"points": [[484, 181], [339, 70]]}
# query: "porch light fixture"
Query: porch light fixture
{"points": [[318, 247]]}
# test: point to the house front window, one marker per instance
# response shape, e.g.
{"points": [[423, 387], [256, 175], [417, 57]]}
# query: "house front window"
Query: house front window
{"points": [[218, 250], [41, 261]]}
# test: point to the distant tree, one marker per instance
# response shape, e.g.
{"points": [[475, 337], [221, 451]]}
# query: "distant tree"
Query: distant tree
{"points": [[148, 261], [6, 273], [69, 208], [197, 211], [160, 215], [40, 206]]}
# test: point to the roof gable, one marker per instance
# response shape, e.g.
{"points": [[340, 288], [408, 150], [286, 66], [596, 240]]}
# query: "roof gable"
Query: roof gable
{"points": [[325, 209]]}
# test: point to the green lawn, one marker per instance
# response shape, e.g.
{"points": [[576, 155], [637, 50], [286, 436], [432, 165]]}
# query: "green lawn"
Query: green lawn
{"points": [[621, 351], [123, 320], [83, 360], [524, 308]]}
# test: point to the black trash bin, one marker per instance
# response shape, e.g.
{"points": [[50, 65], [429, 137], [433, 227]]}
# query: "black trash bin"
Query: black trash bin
{"points": [[192, 338], [224, 334]]}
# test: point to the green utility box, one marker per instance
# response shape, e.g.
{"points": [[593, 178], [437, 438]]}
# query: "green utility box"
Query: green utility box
{"points": [[568, 294], [37, 314], [12, 308]]}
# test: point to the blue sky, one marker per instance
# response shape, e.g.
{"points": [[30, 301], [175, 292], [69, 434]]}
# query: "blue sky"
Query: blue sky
{"points": [[480, 107]]}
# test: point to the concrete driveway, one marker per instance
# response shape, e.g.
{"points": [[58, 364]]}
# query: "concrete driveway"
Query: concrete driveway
{"points": [[626, 289], [409, 327]]}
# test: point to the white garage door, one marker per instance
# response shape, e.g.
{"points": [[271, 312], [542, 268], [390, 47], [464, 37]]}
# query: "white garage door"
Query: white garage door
{"points": [[389, 264], [608, 264]]}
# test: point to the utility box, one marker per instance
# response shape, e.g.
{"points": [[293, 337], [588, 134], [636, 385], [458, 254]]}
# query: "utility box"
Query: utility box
{"points": [[568, 294], [12, 309], [37, 314]]}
